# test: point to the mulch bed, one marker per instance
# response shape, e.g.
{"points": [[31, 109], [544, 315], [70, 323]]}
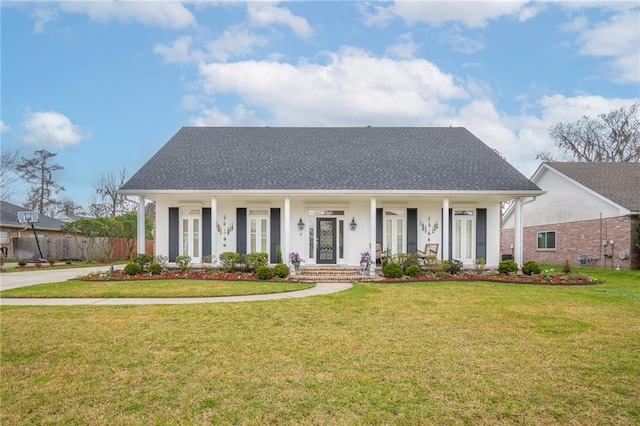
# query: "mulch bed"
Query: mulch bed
{"points": [[557, 279]]}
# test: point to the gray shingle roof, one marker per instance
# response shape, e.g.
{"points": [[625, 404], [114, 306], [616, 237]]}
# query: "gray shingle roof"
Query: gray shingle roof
{"points": [[9, 218], [619, 182], [328, 158]]}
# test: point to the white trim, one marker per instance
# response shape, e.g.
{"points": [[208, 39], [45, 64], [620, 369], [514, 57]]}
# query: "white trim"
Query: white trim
{"points": [[141, 226], [445, 229], [447, 193]]}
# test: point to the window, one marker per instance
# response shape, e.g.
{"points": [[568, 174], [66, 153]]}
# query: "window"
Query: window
{"points": [[547, 240]]}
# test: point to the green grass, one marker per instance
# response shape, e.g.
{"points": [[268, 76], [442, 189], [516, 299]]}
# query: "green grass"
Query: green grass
{"points": [[152, 288], [434, 353]]}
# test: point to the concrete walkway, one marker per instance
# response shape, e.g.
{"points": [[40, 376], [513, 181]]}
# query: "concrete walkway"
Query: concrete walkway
{"points": [[23, 279]]}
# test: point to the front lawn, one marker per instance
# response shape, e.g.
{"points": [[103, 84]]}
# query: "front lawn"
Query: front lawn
{"points": [[401, 353], [156, 288]]}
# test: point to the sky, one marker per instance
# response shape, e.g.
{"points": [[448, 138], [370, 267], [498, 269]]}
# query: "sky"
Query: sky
{"points": [[104, 84]]}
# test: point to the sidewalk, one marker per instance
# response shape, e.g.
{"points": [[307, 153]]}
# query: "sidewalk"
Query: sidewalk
{"points": [[23, 279]]}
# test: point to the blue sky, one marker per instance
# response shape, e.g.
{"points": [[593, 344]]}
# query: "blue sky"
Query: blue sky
{"points": [[106, 83]]}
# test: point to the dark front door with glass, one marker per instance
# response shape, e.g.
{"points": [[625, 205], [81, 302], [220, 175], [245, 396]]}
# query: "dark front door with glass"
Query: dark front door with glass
{"points": [[326, 248]]}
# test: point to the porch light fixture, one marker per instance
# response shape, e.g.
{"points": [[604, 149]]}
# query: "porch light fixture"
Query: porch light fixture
{"points": [[353, 224], [300, 224]]}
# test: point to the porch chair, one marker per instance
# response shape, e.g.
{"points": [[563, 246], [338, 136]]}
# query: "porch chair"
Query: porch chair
{"points": [[380, 255], [430, 250]]}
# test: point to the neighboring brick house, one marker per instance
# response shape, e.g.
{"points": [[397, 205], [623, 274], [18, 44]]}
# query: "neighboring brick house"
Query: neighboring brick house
{"points": [[588, 216], [11, 228]]}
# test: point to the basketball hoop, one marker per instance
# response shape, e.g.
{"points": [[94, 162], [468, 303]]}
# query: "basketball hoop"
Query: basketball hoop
{"points": [[31, 217], [28, 217]]}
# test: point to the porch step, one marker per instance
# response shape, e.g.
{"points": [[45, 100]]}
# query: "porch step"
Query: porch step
{"points": [[332, 274]]}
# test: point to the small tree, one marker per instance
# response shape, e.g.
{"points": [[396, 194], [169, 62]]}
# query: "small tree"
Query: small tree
{"points": [[8, 176]]}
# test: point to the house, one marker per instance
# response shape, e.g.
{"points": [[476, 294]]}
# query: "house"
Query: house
{"points": [[329, 194], [588, 215], [10, 228]]}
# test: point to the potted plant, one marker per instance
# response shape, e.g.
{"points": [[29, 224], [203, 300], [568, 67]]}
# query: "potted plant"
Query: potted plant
{"points": [[365, 260], [295, 259]]}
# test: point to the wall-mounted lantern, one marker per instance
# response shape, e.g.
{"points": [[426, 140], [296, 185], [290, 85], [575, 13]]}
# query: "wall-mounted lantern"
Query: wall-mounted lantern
{"points": [[300, 224], [353, 224]]}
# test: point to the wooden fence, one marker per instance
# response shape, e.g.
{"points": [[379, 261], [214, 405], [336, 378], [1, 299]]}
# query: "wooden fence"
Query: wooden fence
{"points": [[67, 247]]}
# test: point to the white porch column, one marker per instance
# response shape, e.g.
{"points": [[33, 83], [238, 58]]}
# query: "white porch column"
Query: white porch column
{"points": [[141, 225], [214, 228], [287, 230], [517, 234], [445, 230], [372, 235]]}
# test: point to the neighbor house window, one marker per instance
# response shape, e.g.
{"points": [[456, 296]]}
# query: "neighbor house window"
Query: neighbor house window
{"points": [[546, 240]]}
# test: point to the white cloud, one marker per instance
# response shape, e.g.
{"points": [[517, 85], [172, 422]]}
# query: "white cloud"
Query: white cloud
{"points": [[241, 116], [265, 14], [405, 48], [51, 129], [352, 88], [172, 15], [42, 16], [471, 14], [177, 52], [4, 127], [460, 42], [618, 39], [520, 137], [236, 41]]}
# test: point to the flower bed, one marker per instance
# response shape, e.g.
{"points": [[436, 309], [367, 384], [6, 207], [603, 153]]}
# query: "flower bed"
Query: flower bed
{"points": [[213, 274]]}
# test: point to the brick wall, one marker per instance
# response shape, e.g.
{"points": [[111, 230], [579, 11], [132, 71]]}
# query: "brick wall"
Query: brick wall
{"points": [[575, 239]]}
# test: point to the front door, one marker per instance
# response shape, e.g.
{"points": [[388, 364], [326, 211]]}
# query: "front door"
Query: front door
{"points": [[190, 230], [326, 249], [463, 236]]}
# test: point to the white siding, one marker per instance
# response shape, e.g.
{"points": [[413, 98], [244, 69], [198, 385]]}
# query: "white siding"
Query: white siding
{"points": [[565, 201]]}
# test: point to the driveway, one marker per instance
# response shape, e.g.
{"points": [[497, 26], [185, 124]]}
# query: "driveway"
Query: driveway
{"points": [[23, 279]]}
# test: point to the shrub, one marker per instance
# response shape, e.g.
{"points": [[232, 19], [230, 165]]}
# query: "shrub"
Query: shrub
{"points": [[154, 268], [132, 268], [142, 259], [531, 268], [507, 267], [22, 263], [432, 265], [183, 262], [392, 270], [452, 266], [566, 268], [413, 270], [52, 261], [479, 265], [162, 260], [229, 260], [264, 273], [278, 254], [281, 270], [253, 260]]}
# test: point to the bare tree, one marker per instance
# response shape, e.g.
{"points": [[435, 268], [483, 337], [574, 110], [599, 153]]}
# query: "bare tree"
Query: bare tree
{"points": [[39, 172], [8, 175], [68, 207], [108, 202], [614, 136]]}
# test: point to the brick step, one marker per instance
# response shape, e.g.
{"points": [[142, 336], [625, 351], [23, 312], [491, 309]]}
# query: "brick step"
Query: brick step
{"points": [[331, 274]]}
